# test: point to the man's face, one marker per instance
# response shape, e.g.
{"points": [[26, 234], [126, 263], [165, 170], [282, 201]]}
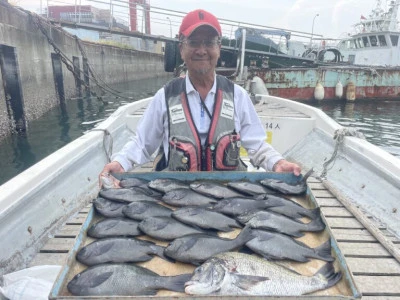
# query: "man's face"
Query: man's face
{"points": [[201, 50]]}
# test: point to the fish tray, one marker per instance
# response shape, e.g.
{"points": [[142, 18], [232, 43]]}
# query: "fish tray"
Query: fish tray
{"points": [[344, 289]]}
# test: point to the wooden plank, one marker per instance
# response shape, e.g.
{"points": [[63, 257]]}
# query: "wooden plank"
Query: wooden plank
{"points": [[380, 298], [364, 250], [329, 202], [316, 186], [322, 194], [313, 179], [378, 285], [49, 259], [68, 231], [355, 235], [373, 266], [77, 220], [345, 223], [61, 245], [335, 212]]}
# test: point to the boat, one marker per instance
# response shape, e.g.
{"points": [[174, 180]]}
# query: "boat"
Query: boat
{"points": [[375, 40], [356, 184]]}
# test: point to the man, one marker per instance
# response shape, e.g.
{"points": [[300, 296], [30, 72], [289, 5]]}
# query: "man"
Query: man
{"points": [[200, 120]]}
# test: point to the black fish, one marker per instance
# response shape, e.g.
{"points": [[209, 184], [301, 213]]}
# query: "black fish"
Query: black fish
{"points": [[118, 250], [131, 182], [297, 188], [113, 227], [166, 228], [187, 197], [123, 280], [213, 189], [276, 246], [249, 188], [197, 248], [141, 210], [127, 195], [109, 208], [206, 219], [240, 205], [279, 223]]}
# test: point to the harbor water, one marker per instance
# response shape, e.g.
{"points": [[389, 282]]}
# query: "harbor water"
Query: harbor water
{"points": [[379, 121]]}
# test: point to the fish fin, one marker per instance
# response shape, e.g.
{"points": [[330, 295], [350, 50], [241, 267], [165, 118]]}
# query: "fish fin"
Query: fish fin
{"points": [[246, 282], [104, 248], [328, 273], [324, 251], [245, 235], [176, 283], [99, 279]]}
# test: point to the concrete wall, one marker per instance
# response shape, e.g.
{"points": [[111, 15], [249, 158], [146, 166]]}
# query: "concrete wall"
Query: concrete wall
{"points": [[34, 63]]}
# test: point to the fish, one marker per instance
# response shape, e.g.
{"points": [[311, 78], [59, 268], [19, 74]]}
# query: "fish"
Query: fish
{"points": [[141, 210], [212, 189], [127, 195], [206, 219], [289, 208], [298, 188], [123, 280], [279, 223], [166, 228], [108, 208], [276, 246], [118, 250], [187, 197], [249, 188], [240, 205], [113, 227], [239, 274], [165, 185], [197, 248], [108, 181], [131, 182]]}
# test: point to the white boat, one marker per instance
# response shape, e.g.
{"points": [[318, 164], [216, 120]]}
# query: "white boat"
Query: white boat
{"points": [[36, 204], [375, 40]]}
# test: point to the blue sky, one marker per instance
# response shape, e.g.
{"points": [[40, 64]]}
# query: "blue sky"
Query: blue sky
{"points": [[335, 19]]}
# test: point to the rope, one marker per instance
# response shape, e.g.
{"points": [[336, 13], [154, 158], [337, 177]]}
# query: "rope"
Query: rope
{"points": [[339, 137], [107, 150]]}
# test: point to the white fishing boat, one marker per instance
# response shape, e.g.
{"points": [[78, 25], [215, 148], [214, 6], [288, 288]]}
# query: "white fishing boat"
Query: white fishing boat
{"points": [[356, 184], [375, 40]]}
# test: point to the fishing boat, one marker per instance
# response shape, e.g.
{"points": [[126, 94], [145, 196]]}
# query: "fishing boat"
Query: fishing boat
{"points": [[356, 184], [375, 40]]}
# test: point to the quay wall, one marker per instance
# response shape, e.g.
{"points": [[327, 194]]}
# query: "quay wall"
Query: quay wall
{"points": [[34, 76]]}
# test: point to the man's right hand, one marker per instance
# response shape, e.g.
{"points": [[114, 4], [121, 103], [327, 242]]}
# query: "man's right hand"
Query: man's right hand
{"points": [[112, 167]]}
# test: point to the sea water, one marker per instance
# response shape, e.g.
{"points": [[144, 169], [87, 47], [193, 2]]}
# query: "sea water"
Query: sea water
{"points": [[379, 121]]}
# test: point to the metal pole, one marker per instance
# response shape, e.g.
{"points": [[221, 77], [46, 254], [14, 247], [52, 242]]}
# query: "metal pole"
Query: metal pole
{"points": [[243, 49], [79, 19], [170, 27], [41, 11], [47, 13], [111, 20], [312, 30], [75, 12]]}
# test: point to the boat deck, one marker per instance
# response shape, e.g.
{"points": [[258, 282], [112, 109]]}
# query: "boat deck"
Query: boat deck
{"points": [[375, 270]]}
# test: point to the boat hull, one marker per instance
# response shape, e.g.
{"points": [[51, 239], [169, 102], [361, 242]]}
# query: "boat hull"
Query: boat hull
{"points": [[299, 84]]}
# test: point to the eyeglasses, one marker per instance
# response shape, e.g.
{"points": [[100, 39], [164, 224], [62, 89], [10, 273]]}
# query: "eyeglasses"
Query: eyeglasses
{"points": [[198, 43]]}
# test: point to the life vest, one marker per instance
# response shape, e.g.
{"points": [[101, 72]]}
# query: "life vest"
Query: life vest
{"points": [[222, 146]]}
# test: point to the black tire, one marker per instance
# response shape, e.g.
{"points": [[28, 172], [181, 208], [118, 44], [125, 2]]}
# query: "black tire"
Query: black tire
{"points": [[170, 57]]}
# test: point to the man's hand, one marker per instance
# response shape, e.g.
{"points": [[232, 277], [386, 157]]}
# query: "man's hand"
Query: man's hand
{"points": [[284, 166], [112, 167]]}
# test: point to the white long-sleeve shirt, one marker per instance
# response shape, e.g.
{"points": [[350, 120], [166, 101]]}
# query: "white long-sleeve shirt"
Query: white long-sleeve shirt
{"points": [[153, 130]]}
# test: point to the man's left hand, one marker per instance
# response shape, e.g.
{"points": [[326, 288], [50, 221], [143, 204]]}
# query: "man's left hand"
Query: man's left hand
{"points": [[285, 166]]}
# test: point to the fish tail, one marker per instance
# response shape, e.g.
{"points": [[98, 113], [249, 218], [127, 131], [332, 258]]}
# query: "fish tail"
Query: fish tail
{"points": [[328, 273], [324, 251], [312, 213], [175, 283], [316, 225], [159, 251], [308, 174], [245, 235]]}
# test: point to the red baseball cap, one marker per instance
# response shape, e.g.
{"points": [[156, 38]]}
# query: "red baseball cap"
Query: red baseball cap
{"points": [[198, 18]]}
